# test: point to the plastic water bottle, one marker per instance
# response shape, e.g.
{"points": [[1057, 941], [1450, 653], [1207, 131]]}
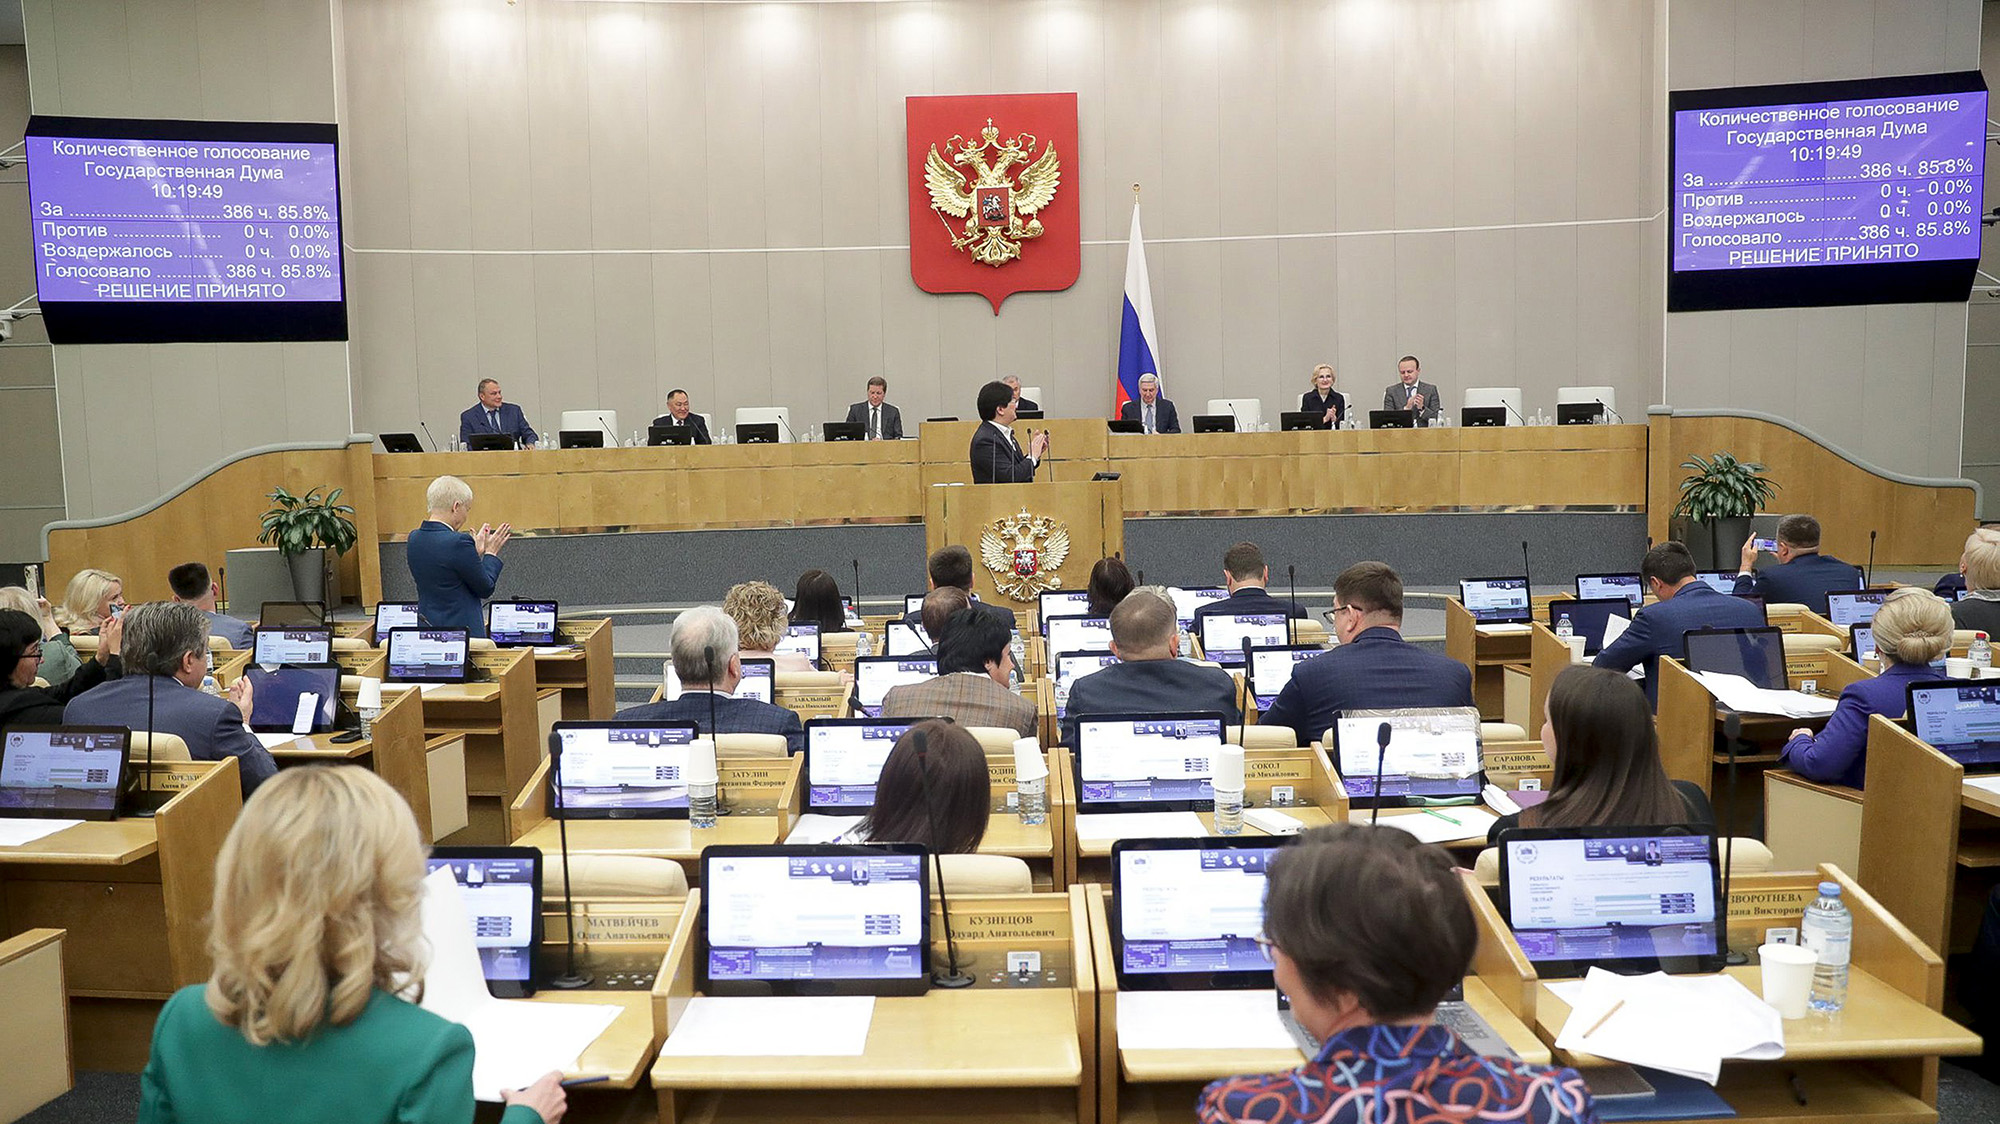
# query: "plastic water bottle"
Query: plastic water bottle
{"points": [[1031, 782], [703, 780], [1565, 631], [1228, 782], [209, 685], [864, 645], [1019, 650], [1828, 929], [1981, 653]]}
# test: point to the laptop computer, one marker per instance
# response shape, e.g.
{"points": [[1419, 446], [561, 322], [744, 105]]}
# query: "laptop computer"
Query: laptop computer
{"points": [[1590, 617], [1060, 603], [1721, 581], [913, 603], [1434, 757], [875, 676], [824, 919], [843, 761], [429, 655], [620, 770], [1763, 610], [503, 897], [522, 624], [801, 638], [1146, 762], [1625, 899], [1858, 607], [1757, 654], [279, 614], [1271, 667], [401, 443], [1077, 633], [1960, 719], [1186, 601], [1072, 666], [757, 683], [394, 614], [904, 640], [1213, 423], [293, 700], [1295, 421], [1628, 585], [579, 439], [1496, 600], [295, 645], [1482, 417], [1186, 913], [669, 435], [1223, 635], [63, 772], [489, 442]]}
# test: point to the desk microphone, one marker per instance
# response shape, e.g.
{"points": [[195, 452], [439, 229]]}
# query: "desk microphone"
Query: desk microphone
{"points": [[1609, 413], [1291, 620], [1231, 403], [951, 977], [788, 429], [427, 433], [1510, 406], [571, 979], [1869, 578], [1527, 577], [1382, 733], [714, 734], [857, 587], [1732, 730], [146, 806], [601, 424]]}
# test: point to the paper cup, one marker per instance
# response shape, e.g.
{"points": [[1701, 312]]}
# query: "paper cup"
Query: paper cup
{"points": [[369, 696], [1957, 668], [1576, 649], [1788, 976]]}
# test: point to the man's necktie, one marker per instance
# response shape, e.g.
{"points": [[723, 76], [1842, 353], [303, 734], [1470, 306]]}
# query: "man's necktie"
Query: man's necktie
{"points": [[1149, 419], [493, 419], [874, 423]]}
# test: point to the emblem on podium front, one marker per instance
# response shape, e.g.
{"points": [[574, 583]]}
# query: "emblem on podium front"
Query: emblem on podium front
{"points": [[1023, 553]]}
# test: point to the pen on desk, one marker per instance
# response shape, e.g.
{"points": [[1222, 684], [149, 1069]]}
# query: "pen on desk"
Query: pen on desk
{"points": [[1798, 1087], [1596, 1026], [1445, 818], [585, 1080]]}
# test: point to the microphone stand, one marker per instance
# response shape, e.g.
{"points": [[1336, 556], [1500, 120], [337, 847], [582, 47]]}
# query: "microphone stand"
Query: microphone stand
{"points": [[1382, 733], [602, 426], [427, 433], [571, 979], [951, 977], [1609, 413], [1516, 413], [1732, 728], [1869, 578], [1291, 620], [147, 808], [713, 733]]}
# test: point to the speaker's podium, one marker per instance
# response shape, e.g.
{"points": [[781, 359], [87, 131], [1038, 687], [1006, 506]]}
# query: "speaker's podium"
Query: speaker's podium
{"points": [[1027, 537]]}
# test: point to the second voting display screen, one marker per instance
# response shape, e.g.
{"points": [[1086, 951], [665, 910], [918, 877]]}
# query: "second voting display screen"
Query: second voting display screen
{"points": [[828, 915]]}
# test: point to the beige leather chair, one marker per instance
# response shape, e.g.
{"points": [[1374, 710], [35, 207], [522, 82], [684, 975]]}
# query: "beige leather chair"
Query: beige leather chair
{"points": [[1310, 631], [1501, 732], [751, 745], [481, 644], [1748, 856], [985, 874], [995, 739], [218, 644], [616, 876], [86, 646], [1261, 737], [1800, 643], [349, 644], [166, 747]]}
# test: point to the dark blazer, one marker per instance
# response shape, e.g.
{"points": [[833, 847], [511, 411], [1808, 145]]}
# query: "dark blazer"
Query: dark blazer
{"points": [[1376, 669], [1150, 687], [1699, 811], [1978, 614], [513, 423], [1311, 403], [1805, 580], [695, 423], [1249, 599], [892, 420], [968, 698], [1397, 396], [1838, 754], [1026, 404], [732, 716], [1659, 630], [43, 706], [1165, 418], [996, 460], [212, 727], [453, 578]]}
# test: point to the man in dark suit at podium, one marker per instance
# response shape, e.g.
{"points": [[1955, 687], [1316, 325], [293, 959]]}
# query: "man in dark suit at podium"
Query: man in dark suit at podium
{"points": [[1411, 392], [494, 414], [1154, 413], [879, 420], [996, 457], [1803, 576], [678, 415]]}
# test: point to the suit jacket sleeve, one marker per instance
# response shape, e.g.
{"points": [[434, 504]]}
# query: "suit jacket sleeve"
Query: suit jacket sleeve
{"points": [[795, 734], [1389, 399], [857, 414], [1755, 583], [1129, 411], [700, 425], [1432, 407], [254, 764], [1170, 417], [466, 421], [527, 432], [479, 572], [1631, 649], [1827, 756], [892, 423]]}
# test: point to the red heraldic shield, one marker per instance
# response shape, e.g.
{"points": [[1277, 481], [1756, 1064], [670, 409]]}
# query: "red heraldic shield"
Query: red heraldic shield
{"points": [[993, 194]]}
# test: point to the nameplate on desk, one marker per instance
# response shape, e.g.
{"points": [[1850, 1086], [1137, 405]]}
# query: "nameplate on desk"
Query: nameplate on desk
{"points": [[599, 923], [1784, 901], [1517, 760], [1006, 925], [170, 781], [1258, 765]]}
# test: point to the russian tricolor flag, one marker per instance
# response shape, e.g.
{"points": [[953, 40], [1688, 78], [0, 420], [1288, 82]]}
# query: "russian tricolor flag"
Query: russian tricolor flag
{"points": [[1138, 342]]}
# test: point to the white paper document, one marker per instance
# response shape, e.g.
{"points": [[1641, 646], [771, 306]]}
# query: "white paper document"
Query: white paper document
{"points": [[820, 1026], [1614, 627], [514, 1041], [17, 833], [815, 827], [1501, 629], [1442, 825], [1682, 1024], [1110, 827], [1739, 694], [1989, 784], [556, 650], [273, 741], [1201, 1020]]}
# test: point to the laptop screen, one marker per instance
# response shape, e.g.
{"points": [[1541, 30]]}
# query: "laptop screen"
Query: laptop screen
{"points": [[1072, 666], [1496, 600], [1959, 719], [1850, 609], [503, 896], [1186, 601], [1757, 654], [1625, 899], [913, 603], [844, 759], [1433, 756], [1863, 636], [621, 770], [277, 694], [1061, 603], [1721, 581], [428, 655], [1079, 634], [394, 614], [756, 683], [1147, 763], [1188, 909], [1628, 586], [69, 772], [875, 675], [1591, 618], [904, 640], [811, 920], [1223, 634], [801, 638], [521, 624], [1271, 668], [278, 646]]}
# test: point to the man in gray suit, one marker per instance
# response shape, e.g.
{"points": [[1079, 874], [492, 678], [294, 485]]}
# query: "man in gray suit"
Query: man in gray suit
{"points": [[879, 420], [1412, 393], [166, 657], [1148, 678]]}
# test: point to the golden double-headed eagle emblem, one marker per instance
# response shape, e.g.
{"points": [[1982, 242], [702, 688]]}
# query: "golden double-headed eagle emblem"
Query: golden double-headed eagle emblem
{"points": [[1024, 552], [998, 205]]}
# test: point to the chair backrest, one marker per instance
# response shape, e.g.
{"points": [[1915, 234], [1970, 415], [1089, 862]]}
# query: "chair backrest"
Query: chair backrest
{"points": [[995, 739], [1487, 396], [1605, 394], [1796, 642], [1309, 631], [985, 874], [1746, 856], [593, 421], [166, 747], [617, 876], [766, 415], [1262, 737], [481, 644], [1248, 412], [349, 644], [1501, 732], [218, 644], [751, 745], [1034, 394], [85, 646]]}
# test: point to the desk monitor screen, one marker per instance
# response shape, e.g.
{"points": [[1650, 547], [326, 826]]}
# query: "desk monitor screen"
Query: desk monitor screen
{"points": [[844, 431], [1721, 581], [1391, 419], [835, 919], [394, 614], [522, 624], [401, 443], [1858, 607], [803, 639], [1214, 423], [1757, 654], [620, 770], [490, 442], [284, 614], [1059, 603], [1079, 634], [1296, 421], [1271, 667], [905, 640], [1579, 413], [757, 679], [503, 898], [1187, 913], [757, 433], [1591, 617], [1763, 610], [429, 655], [1474, 417], [844, 759], [874, 676], [913, 603], [1496, 600], [1863, 636], [1224, 634], [579, 439], [1960, 719], [1434, 756], [63, 772], [1147, 762], [1630, 586], [1186, 601], [293, 645], [669, 435], [279, 694], [1072, 666], [1626, 899]]}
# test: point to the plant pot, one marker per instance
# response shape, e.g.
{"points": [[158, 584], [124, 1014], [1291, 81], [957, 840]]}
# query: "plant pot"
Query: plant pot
{"points": [[1716, 544], [308, 573]]}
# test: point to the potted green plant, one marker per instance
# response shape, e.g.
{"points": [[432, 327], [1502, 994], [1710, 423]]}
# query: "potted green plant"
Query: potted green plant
{"points": [[304, 528], [1718, 497]]}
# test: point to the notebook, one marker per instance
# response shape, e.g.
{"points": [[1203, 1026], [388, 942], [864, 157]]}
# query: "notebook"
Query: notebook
{"points": [[277, 647], [1271, 668], [522, 624], [63, 772], [1433, 757], [875, 676], [629, 770], [1858, 607], [1078, 634], [1223, 635], [1625, 899], [1591, 618], [1060, 603], [1186, 913], [843, 761], [1959, 719], [1496, 600], [1146, 762], [1757, 654], [278, 694], [503, 897], [394, 614], [826, 919], [1627, 585], [756, 684], [429, 655]]}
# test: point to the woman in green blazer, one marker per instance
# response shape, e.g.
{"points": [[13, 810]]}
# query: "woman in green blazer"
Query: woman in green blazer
{"points": [[314, 927]]}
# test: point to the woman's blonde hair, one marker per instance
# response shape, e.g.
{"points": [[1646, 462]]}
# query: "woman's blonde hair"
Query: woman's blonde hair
{"points": [[1982, 559], [317, 895], [85, 593], [1327, 367], [1913, 626], [16, 598], [759, 612]]}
